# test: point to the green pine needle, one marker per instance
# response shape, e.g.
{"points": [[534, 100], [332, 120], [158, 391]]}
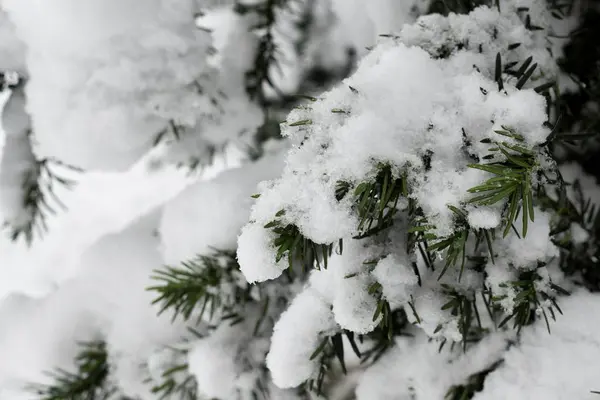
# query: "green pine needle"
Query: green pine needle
{"points": [[39, 196], [528, 299], [194, 285], [330, 349], [174, 388], [463, 306], [376, 201], [265, 59], [511, 183], [88, 382], [290, 243], [454, 245]]}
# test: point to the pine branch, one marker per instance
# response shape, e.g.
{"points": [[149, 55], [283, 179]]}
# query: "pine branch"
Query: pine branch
{"points": [[383, 309], [329, 350], [291, 243], [88, 382], [265, 58], [578, 258], [178, 384], [174, 135], [464, 307], [40, 198], [530, 299], [382, 338], [196, 285], [512, 181], [376, 201], [422, 236]]}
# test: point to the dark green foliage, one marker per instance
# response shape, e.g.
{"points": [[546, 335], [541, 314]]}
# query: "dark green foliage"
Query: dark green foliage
{"points": [[529, 299], [456, 6], [195, 285], [265, 56], [88, 382], [463, 306], [176, 382], [512, 180], [331, 348], [213, 284], [171, 129], [376, 200], [382, 310], [578, 259], [297, 248], [578, 132], [382, 338], [268, 57], [454, 245], [171, 387], [473, 385], [330, 351], [581, 62], [40, 199]]}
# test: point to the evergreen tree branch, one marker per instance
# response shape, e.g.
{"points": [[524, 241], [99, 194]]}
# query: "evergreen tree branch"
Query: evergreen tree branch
{"points": [[196, 285], [265, 57], [40, 199], [90, 381]]}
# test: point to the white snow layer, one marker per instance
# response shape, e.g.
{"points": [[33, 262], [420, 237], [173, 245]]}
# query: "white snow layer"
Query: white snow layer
{"points": [[105, 108], [560, 365], [297, 334], [210, 214], [12, 49], [102, 109]]}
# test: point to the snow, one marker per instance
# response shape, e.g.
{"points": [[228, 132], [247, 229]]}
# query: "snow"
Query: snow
{"points": [[18, 165], [397, 279], [116, 200], [525, 252], [183, 227], [353, 307], [108, 297], [213, 361], [256, 254], [139, 80], [415, 369], [561, 365], [296, 336], [12, 49], [454, 105], [331, 146], [498, 274], [360, 24], [484, 218], [134, 210]]}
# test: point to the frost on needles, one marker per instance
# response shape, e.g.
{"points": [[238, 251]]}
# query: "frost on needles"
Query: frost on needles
{"points": [[414, 185]]}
